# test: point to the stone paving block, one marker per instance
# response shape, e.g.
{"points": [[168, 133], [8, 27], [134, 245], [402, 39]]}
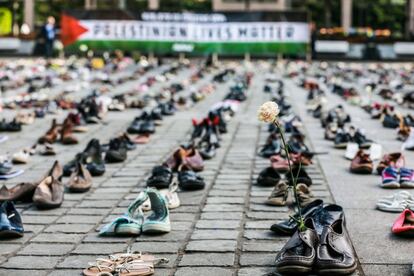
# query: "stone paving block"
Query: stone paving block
{"points": [[249, 271], [203, 271], [73, 219], [212, 246], [207, 259], [97, 203], [78, 261], [225, 200], [88, 211], [222, 208], [8, 248], [46, 249], [31, 262], [259, 224], [20, 272], [218, 224], [57, 238], [249, 259], [156, 247], [213, 234], [99, 248], [65, 272], [172, 236], [259, 235], [69, 228], [255, 246], [38, 219]]}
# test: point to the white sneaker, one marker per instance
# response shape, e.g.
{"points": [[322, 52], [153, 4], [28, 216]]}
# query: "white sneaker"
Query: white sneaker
{"points": [[375, 151], [351, 150]]}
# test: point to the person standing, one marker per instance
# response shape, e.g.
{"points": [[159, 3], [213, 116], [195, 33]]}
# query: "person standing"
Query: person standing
{"points": [[49, 35]]}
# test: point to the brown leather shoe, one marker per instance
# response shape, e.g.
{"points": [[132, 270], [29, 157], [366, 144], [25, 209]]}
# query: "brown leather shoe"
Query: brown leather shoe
{"points": [[66, 134], [335, 254], [21, 192], [48, 194], [80, 180], [279, 195], [299, 253], [185, 157], [51, 135], [304, 194], [395, 159], [361, 164]]}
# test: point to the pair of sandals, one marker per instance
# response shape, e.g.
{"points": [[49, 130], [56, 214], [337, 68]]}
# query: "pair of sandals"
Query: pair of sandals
{"points": [[396, 203], [133, 223], [124, 264]]}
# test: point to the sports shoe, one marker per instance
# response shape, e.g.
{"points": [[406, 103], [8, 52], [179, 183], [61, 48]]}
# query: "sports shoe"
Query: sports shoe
{"points": [[362, 163], [406, 178], [390, 178], [395, 159], [409, 143], [159, 220]]}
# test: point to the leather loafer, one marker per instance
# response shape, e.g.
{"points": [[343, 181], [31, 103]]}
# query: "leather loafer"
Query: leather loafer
{"points": [[335, 254], [299, 253]]}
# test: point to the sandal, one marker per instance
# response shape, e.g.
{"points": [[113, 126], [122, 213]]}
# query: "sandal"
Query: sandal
{"points": [[102, 267], [136, 268]]}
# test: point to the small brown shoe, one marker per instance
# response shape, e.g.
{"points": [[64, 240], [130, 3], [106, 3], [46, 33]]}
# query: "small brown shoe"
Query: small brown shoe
{"points": [[51, 135], [299, 253], [362, 163], [304, 194], [80, 180], [279, 195], [335, 254], [66, 133], [48, 194]]}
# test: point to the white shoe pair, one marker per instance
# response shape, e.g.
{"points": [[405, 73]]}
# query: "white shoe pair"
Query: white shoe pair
{"points": [[375, 151], [396, 203]]}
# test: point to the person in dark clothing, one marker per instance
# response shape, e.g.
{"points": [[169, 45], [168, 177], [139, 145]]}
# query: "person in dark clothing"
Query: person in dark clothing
{"points": [[49, 35]]}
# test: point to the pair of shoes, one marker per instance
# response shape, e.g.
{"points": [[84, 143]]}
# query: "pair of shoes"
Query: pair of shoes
{"points": [[271, 177], [91, 157], [162, 178], [143, 124], [11, 225], [6, 167], [396, 203], [393, 178], [281, 164], [187, 156], [12, 126], [65, 132], [328, 253], [362, 163], [134, 222], [135, 264], [280, 195]]}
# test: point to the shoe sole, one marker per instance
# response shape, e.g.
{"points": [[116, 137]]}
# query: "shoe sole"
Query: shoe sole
{"points": [[9, 234], [407, 185], [294, 270], [390, 185], [333, 271], [127, 230], [78, 190], [340, 146], [362, 170], [156, 228]]}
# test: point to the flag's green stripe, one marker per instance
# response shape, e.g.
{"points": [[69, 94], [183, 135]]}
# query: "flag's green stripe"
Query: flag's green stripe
{"points": [[199, 48]]}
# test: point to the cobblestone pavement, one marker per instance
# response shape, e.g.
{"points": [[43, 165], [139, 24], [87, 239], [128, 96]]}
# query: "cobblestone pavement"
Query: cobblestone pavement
{"points": [[221, 230]]}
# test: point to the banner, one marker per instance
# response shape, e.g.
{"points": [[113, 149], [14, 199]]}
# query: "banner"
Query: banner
{"points": [[158, 32]]}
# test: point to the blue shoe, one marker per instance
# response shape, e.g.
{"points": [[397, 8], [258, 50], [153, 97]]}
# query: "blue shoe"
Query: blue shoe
{"points": [[129, 224], [11, 225], [159, 220]]}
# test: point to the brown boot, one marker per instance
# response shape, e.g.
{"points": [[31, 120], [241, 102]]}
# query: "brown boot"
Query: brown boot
{"points": [[66, 135], [51, 135]]}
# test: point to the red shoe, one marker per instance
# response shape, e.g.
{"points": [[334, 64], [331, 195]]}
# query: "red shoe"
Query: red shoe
{"points": [[404, 225]]}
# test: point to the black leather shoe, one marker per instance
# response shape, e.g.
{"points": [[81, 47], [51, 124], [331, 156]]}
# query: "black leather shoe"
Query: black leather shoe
{"points": [[91, 157], [160, 178], [302, 175], [289, 226], [190, 181], [326, 216], [268, 177], [117, 151]]}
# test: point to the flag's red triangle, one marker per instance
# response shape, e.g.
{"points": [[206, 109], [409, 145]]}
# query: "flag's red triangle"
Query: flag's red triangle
{"points": [[70, 29]]}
